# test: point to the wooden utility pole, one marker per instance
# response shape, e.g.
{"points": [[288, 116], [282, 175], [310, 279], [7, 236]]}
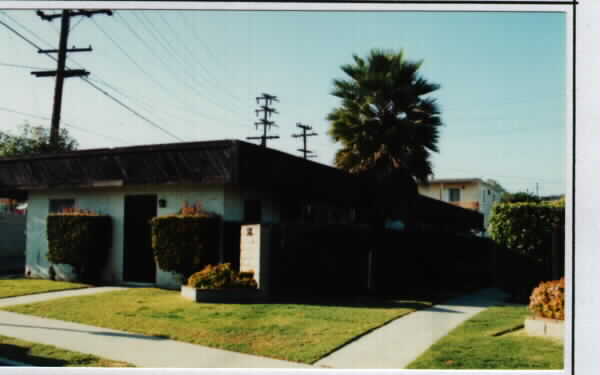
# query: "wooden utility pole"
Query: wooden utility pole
{"points": [[265, 122], [61, 73], [304, 135]]}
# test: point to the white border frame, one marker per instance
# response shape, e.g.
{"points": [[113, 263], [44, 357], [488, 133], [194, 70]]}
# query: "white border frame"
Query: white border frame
{"points": [[586, 157]]}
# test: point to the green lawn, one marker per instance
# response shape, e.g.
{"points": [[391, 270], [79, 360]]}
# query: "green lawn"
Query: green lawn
{"points": [[21, 287], [48, 355], [473, 345], [295, 332]]}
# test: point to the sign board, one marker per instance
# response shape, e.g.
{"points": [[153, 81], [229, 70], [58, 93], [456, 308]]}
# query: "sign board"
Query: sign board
{"points": [[250, 249]]}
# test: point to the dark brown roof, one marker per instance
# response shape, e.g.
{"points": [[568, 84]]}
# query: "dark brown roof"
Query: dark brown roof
{"points": [[229, 162]]}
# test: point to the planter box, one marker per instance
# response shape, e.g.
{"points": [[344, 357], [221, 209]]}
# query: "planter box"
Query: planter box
{"points": [[545, 327], [233, 295]]}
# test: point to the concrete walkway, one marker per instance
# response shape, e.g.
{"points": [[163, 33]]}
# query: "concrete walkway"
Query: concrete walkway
{"points": [[139, 350], [397, 344], [33, 298]]}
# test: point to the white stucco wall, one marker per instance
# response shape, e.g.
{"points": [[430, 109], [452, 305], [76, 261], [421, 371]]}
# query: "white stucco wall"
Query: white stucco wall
{"points": [[109, 201]]}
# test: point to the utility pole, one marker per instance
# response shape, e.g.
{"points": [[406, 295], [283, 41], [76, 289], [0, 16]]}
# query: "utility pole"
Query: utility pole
{"points": [[267, 111], [304, 135], [537, 189], [61, 73]]}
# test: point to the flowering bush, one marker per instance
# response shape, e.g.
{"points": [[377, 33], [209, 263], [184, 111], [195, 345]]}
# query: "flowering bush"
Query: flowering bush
{"points": [[548, 300], [221, 276]]}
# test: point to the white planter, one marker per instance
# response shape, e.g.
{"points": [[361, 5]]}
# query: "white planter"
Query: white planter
{"points": [[545, 327]]}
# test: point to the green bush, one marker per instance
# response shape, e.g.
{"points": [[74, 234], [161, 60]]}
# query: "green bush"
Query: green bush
{"points": [[526, 227], [221, 276], [80, 239], [185, 243], [548, 300]]}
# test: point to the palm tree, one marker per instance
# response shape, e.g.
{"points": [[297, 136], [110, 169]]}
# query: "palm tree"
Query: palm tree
{"points": [[386, 121]]}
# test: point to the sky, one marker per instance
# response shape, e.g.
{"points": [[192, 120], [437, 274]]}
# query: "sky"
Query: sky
{"points": [[196, 74]]}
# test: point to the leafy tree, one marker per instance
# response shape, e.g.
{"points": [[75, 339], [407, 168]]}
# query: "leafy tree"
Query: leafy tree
{"points": [[519, 197], [34, 140], [386, 121]]}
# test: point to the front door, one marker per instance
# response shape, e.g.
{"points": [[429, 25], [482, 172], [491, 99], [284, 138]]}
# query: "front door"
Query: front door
{"points": [[139, 264]]}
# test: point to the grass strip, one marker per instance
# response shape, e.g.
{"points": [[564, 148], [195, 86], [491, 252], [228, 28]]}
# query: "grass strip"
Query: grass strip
{"points": [[476, 345], [22, 287], [35, 354], [301, 332]]}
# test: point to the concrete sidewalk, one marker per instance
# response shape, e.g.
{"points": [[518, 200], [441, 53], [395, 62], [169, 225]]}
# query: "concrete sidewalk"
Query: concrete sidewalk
{"points": [[137, 349], [397, 344], [32, 298]]}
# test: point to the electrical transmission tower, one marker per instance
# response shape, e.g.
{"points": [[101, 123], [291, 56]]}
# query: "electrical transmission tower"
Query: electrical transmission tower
{"points": [[267, 111], [61, 73], [305, 128]]}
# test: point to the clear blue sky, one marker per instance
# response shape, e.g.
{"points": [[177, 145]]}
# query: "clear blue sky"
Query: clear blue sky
{"points": [[197, 74]]}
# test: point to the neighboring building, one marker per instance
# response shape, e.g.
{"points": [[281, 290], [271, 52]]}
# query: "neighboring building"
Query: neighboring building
{"points": [[471, 193], [239, 181]]}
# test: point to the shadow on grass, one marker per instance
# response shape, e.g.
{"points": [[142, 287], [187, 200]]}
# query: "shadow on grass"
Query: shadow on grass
{"points": [[20, 354], [359, 302], [100, 333]]}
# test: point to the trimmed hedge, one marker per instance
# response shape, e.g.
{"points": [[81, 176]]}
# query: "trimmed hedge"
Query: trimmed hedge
{"points": [[526, 227], [185, 243], [80, 239]]}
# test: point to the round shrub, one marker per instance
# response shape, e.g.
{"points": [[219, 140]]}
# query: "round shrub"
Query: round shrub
{"points": [[221, 276], [548, 300]]}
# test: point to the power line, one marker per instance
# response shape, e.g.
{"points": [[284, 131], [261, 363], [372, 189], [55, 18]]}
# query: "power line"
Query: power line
{"points": [[199, 63], [141, 69], [206, 47], [26, 29], [133, 111], [68, 125], [20, 35], [19, 66], [96, 87], [158, 37]]}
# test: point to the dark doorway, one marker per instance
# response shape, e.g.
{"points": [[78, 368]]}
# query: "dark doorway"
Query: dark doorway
{"points": [[139, 262]]}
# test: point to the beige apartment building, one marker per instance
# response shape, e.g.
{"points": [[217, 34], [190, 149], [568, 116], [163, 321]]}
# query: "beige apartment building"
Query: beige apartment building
{"points": [[472, 193]]}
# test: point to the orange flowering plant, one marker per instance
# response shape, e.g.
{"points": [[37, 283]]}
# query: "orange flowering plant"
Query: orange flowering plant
{"points": [[548, 300]]}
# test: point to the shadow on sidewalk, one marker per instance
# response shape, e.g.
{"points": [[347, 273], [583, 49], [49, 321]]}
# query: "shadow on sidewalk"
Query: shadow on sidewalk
{"points": [[116, 334]]}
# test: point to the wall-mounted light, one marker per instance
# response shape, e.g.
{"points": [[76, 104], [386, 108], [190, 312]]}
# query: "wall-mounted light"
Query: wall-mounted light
{"points": [[162, 203]]}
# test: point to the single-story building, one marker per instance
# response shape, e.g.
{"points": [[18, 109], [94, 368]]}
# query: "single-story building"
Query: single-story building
{"points": [[239, 181]]}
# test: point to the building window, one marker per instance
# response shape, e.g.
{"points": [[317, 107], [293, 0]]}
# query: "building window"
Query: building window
{"points": [[61, 205], [252, 211], [454, 195]]}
